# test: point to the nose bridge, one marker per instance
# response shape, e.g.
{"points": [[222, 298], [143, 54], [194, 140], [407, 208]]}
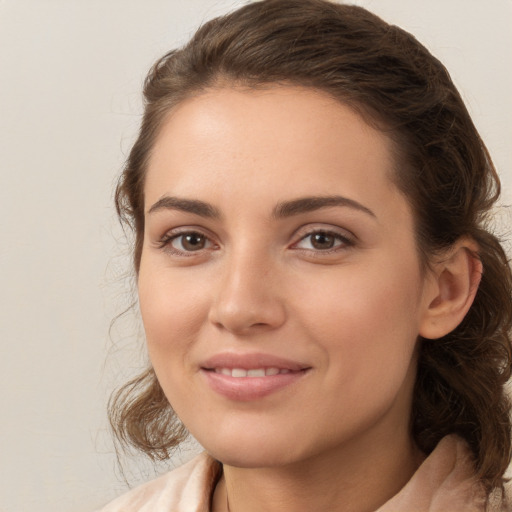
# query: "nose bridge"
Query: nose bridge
{"points": [[246, 296]]}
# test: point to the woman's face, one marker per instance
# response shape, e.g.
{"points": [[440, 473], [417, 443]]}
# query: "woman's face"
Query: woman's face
{"points": [[279, 284]]}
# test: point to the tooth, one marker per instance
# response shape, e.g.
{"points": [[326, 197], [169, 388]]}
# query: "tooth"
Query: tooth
{"points": [[284, 371], [271, 371], [238, 372], [260, 372], [225, 371]]}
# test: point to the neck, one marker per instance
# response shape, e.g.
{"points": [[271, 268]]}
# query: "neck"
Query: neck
{"points": [[359, 478]]}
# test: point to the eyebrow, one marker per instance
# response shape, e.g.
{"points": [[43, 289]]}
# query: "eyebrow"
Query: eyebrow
{"points": [[309, 204], [282, 210], [186, 205]]}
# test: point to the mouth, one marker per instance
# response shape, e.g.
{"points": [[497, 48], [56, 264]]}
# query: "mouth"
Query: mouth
{"points": [[251, 373], [251, 376]]}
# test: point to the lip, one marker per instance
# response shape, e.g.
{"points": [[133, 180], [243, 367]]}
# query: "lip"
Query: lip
{"points": [[251, 388]]}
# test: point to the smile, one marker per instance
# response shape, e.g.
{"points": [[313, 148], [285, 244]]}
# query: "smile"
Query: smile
{"points": [[249, 377], [253, 372]]}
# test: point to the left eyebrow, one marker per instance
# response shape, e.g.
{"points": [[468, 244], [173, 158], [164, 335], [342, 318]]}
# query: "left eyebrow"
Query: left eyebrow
{"points": [[312, 203], [186, 205]]}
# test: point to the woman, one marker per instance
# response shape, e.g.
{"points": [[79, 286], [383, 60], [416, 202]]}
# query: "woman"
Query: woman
{"points": [[325, 309]]}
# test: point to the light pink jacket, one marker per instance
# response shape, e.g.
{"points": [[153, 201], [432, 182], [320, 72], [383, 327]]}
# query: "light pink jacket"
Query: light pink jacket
{"points": [[443, 483]]}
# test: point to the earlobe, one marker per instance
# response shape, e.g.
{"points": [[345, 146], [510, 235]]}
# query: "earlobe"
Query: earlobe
{"points": [[454, 284]]}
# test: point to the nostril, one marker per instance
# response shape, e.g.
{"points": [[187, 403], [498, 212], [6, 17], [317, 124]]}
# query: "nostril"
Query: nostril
{"points": [[242, 307]]}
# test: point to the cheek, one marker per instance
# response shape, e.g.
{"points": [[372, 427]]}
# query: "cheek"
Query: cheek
{"points": [[171, 309], [366, 320], [362, 295]]}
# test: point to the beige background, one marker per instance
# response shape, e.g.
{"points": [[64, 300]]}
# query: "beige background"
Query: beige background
{"points": [[70, 79]]}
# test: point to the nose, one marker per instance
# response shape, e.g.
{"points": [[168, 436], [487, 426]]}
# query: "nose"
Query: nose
{"points": [[248, 297]]}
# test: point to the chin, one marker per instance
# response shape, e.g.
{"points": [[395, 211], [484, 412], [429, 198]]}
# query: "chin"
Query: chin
{"points": [[250, 457], [251, 451]]}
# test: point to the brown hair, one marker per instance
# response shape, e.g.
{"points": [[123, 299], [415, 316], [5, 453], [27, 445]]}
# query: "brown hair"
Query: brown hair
{"points": [[442, 167]]}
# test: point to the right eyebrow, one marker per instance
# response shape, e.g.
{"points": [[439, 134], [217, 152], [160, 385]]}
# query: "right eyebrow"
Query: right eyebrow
{"points": [[312, 203], [185, 205]]}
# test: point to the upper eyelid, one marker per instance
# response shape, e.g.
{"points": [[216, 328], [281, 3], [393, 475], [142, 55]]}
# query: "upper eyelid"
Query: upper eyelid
{"points": [[183, 230], [307, 229]]}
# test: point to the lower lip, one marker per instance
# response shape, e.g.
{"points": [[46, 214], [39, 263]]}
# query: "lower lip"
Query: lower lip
{"points": [[250, 388]]}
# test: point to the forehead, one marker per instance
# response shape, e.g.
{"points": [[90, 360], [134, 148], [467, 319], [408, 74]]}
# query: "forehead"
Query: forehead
{"points": [[280, 141]]}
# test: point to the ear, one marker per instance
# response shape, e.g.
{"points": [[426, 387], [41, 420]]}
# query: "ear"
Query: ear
{"points": [[451, 289]]}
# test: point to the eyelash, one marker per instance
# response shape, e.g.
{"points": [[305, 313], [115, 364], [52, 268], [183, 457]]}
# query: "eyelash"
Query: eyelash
{"points": [[343, 242], [165, 243]]}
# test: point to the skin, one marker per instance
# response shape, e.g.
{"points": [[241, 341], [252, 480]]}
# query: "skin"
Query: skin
{"points": [[337, 438]]}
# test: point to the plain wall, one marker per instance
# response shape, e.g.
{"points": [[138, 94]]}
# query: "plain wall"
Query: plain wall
{"points": [[70, 81]]}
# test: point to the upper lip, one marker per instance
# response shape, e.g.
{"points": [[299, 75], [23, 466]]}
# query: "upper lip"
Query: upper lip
{"points": [[250, 361]]}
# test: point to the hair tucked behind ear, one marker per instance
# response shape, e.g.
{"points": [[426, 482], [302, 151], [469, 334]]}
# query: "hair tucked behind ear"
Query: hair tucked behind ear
{"points": [[460, 386], [442, 167]]}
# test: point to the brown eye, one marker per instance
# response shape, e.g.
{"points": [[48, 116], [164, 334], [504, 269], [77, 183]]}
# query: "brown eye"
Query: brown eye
{"points": [[189, 242], [323, 240], [318, 241]]}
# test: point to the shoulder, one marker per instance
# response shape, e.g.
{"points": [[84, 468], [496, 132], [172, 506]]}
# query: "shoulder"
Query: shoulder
{"points": [[445, 481], [185, 489]]}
